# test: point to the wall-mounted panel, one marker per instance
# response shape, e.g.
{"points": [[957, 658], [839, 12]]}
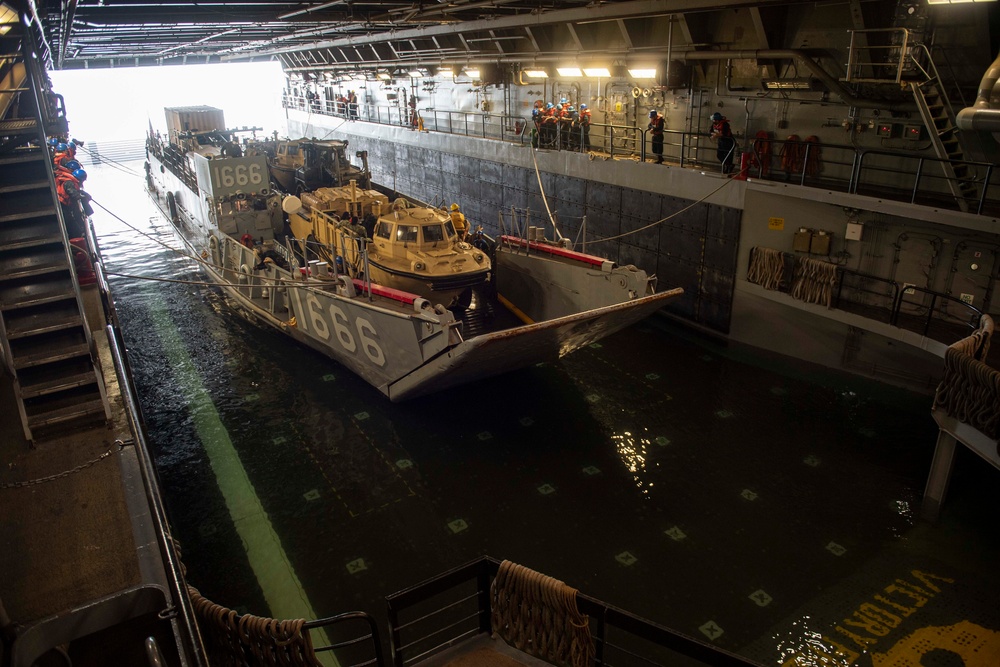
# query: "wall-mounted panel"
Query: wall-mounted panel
{"points": [[720, 254], [491, 172], [679, 213], [682, 244], [604, 197], [638, 233]]}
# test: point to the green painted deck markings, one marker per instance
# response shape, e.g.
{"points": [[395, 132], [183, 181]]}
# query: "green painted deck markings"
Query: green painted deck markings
{"points": [[836, 549], [356, 566], [591, 470], [596, 346], [761, 598], [711, 630], [280, 440], [526, 421], [277, 579], [748, 495], [652, 376], [457, 526], [723, 414], [675, 533], [485, 435], [546, 489], [311, 495], [707, 357], [404, 464], [361, 416], [779, 391], [626, 558], [593, 398], [811, 461], [662, 441], [207, 529], [867, 432], [251, 398], [329, 377]]}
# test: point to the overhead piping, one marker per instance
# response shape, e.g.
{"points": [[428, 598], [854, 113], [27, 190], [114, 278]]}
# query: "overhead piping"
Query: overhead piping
{"points": [[981, 115]]}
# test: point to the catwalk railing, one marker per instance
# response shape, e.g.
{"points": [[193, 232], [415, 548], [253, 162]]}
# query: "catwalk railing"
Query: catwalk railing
{"points": [[907, 175], [455, 606]]}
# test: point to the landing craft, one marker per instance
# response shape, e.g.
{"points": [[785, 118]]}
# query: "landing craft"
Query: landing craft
{"points": [[224, 210]]}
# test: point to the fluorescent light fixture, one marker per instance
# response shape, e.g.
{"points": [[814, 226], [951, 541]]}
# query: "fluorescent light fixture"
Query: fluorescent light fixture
{"points": [[788, 84], [384, 76], [642, 73], [536, 73], [472, 72], [954, 2], [415, 73], [597, 71], [445, 71], [569, 71]]}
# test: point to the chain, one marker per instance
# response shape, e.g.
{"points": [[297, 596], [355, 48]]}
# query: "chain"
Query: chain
{"points": [[118, 446]]}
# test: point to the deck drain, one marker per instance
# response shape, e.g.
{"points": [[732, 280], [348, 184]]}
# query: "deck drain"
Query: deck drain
{"points": [[458, 525], [356, 566]]}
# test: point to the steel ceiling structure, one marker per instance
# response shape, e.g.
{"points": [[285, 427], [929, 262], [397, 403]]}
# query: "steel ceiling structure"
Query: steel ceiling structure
{"points": [[341, 36]]}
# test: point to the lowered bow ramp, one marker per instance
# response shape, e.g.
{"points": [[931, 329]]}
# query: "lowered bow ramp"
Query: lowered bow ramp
{"points": [[502, 351]]}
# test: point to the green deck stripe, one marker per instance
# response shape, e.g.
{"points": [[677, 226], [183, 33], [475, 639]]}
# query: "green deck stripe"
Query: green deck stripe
{"points": [[281, 586]]}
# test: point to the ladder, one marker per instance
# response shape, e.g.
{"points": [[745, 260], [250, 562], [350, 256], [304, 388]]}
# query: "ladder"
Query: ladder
{"points": [[939, 119], [47, 346]]}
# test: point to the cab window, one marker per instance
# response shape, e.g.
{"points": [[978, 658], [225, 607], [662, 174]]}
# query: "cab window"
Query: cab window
{"points": [[406, 233], [293, 150], [433, 233], [384, 230], [449, 228]]}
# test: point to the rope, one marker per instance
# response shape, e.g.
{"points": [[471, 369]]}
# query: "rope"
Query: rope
{"points": [[232, 640], [814, 281], [970, 389], [537, 614], [767, 268], [545, 200]]}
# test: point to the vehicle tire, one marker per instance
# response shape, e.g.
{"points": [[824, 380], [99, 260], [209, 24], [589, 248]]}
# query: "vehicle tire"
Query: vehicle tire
{"points": [[172, 207]]}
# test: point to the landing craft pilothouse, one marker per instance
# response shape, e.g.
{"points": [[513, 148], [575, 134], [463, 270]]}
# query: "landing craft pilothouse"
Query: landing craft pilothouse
{"points": [[326, 296]]}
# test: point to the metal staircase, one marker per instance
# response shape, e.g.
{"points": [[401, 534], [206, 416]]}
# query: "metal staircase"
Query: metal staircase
{"points": [[47, 346], [939, 119]]}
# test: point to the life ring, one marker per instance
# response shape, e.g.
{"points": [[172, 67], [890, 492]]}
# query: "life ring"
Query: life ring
{"points": [[172, 206]]}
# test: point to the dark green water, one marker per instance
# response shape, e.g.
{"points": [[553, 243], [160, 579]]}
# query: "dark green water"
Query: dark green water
{"points": [[660, 472]]}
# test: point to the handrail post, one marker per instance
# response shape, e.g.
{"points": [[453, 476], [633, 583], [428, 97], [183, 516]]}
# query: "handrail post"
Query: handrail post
{"points": [[683, 146], [805, 163], [986, 185], [916, 180], [483, 596]]}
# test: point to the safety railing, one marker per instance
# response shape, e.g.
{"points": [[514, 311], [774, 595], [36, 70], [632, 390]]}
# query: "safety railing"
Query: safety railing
{"points": [[933, 309], [863, 296], [921, 172], [877, 55], [440, 613], [906, 176]]}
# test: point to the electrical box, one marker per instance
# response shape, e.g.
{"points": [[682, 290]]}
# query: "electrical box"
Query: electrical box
{"points": [[913, 132], [887, 130], [802, 240], [854, 230], [820, 243]]}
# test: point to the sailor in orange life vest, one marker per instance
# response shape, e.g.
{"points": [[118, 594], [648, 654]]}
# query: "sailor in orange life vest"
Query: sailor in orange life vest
{"points": [[656, 128], [725, 147], [69, 187], [458, 220]]}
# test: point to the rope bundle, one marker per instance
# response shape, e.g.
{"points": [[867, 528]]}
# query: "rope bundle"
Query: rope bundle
{"points": [[767, 268], [970, 390], [232, 640], [537, 614], [814, 281]]}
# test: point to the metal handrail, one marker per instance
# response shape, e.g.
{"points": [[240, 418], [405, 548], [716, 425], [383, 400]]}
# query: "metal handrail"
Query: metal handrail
{"points": [[935, 296], [605, 618], [903, 48], [866, 276], [339, 619]]}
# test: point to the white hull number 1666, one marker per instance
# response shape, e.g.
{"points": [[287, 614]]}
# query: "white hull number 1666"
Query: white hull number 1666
{"points": [[313, 318]]}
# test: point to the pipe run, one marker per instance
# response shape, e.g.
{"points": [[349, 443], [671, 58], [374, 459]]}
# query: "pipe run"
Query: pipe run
{"points": [[981, 115]]}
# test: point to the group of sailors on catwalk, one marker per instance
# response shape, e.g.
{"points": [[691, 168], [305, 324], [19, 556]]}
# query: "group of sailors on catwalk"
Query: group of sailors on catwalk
{"points": [[561, 126], [70, 177]]}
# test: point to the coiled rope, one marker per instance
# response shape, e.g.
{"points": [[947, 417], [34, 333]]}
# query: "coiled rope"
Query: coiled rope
{"points": [[767, 267], [537, 614], [814, 281], [970, 389], [232, 640]]}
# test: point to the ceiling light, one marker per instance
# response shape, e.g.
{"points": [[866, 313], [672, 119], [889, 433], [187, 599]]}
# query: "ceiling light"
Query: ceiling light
{"points": [[569, 71], [472, 72], [954, 2], [789, 84], [384, 76], [642, 73], [536, 73], [415, 73], [445, 71], [596, 71]]}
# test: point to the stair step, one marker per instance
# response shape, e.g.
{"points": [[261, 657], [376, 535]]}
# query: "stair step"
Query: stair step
{"points": [[45, 321], [55, 385], [45, 237], [51, 355], [36, 155], [12, 271], [65, 414], [35, 212], [15, 300], [20, 187]]}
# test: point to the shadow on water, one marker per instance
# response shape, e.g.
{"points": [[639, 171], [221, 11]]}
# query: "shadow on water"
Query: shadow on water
{"points": [[654, 471]]}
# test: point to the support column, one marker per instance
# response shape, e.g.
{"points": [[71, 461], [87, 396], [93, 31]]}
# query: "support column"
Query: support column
{"points": [[939, 476]]}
